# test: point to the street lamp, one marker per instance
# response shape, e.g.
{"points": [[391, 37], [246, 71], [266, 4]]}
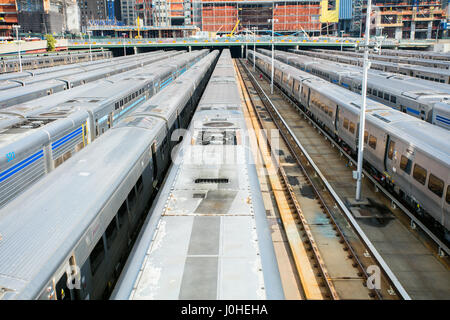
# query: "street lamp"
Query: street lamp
{"points": [[362, 115], [342, 33], [254, 46], [124, 50], [18, 45], [273, 52], [90, 44]]}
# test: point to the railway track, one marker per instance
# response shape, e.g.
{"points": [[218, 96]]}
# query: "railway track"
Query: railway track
{"points": [[325, 259], [412, 262]]}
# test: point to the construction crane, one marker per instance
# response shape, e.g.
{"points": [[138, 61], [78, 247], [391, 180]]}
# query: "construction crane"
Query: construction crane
{"points": [[234, 29]]}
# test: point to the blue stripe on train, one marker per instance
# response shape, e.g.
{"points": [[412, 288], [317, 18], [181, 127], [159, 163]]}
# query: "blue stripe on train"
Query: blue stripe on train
{"points": [[31, 159], [413, 111], [66, 138], [24, 163], [128, 108], [443, 119]]}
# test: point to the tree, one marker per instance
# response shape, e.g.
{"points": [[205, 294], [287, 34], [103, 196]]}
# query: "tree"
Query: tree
{"points": [[51, 42]]}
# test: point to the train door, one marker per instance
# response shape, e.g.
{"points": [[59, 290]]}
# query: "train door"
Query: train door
{"points": [[155, 164], [66, 287], [390, 155], [336, 121], [177, 123]]}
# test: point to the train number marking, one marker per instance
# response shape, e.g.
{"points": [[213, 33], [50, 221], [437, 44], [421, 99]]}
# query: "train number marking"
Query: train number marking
{"points": [[10, 156]]}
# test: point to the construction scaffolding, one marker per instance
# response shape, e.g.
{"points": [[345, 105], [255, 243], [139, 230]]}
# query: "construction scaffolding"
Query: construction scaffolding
{"points": [[403, 19], [290, 16]]}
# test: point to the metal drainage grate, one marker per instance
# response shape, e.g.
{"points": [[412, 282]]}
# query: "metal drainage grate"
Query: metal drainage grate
{"points": [[213, 180]]}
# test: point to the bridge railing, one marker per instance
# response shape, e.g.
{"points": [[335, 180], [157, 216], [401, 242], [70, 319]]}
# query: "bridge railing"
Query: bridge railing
{"points": [[193, 40]]}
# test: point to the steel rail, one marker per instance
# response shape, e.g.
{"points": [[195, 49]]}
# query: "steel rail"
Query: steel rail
{"points": [[442, 247], [289, 222], [374, 252]]}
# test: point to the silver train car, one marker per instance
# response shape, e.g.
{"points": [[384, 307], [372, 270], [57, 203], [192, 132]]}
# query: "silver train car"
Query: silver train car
{"points": [[417, 100], [9, 64], [441, 114], [26, 78], [429, 63], [207, 236], [417, 54], [39, 89], [426, 73], [409, 156], [49, 136], [105, 191]]}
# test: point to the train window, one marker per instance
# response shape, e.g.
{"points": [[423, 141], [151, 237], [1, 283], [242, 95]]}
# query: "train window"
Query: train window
{"points": [[405, 164], [374, 92], [352, 127], [447, 197], [346, 123], [116, 106], [386, 96], [380, 94], [391, 149], [393, 99], [369, 90], [97, 255], [111, 232], [441, 81], [139, 184], [420, 174], [436, 185], [122, 214], [366, 136], [131, 197], [372, 142]]}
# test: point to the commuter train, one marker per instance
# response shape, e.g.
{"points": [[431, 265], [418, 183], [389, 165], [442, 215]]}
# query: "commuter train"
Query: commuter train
{"points": [[51, 83], [27, 78], [28, 74], [395, 91], [429, 63], [207, 236], [76, 226], [46, 133], [422, 72], [409, 156], [9, 64], [417, 54]]}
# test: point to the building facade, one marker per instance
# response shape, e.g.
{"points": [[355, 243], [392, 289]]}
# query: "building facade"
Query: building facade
{"points": [[289, 16], [8, 17], [48, 16]]}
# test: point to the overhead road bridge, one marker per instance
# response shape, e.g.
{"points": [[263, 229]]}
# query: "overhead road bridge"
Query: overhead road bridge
{"points": [[213, 43]]}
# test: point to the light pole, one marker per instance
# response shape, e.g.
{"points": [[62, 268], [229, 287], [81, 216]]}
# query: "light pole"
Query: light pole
{"points": [[362, 115], [254, 46], [124, 50], [342, 33], [90, 44], [18, 45], [273, 52]]}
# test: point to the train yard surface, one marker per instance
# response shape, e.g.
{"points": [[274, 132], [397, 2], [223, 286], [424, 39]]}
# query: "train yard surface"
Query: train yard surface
{"points": [[413, 264], [183, 175]]}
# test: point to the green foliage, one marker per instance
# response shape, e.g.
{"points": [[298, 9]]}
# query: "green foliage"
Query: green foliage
{"points": [[51, 42]]}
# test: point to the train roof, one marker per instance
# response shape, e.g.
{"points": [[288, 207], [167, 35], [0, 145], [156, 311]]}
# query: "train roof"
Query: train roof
{"points": [[428, 138], [41, 226], [208, 214]]}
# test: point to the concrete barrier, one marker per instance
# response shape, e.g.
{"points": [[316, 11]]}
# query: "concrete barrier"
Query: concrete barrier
{"points": [[12, 47]]}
